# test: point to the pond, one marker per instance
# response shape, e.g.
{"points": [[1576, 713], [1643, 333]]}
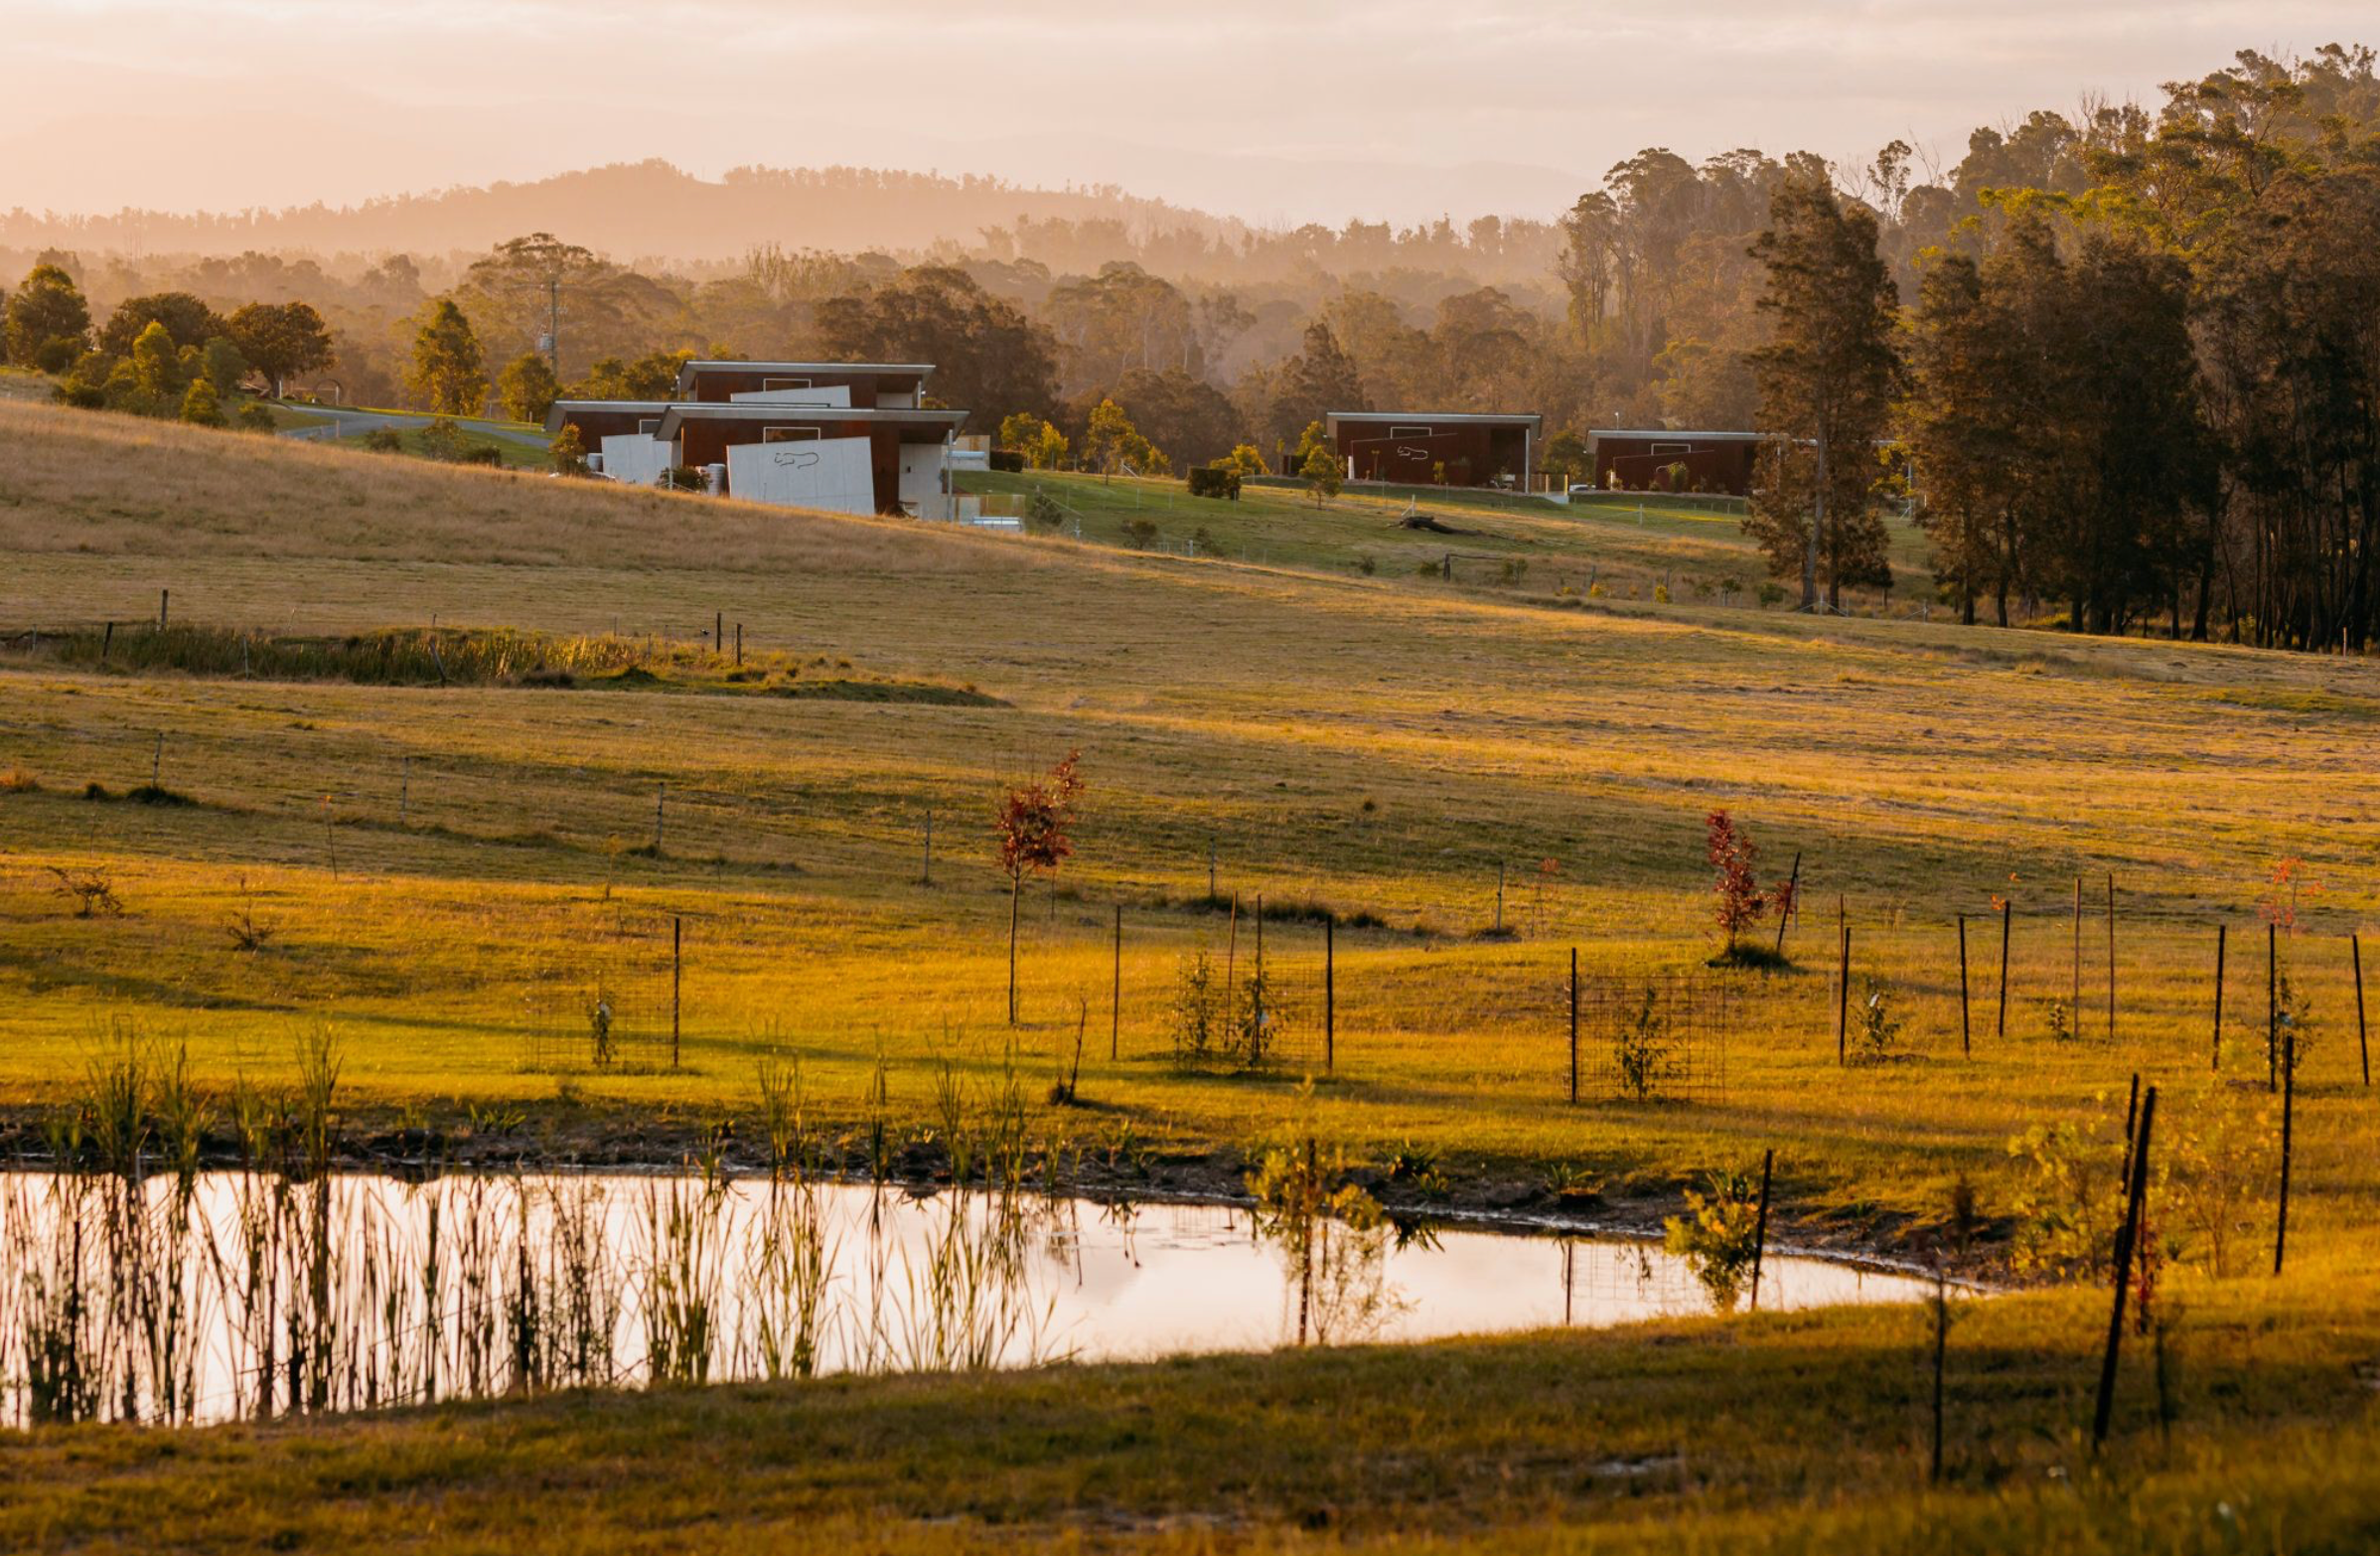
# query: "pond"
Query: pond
{"points": [[232, 1295]]}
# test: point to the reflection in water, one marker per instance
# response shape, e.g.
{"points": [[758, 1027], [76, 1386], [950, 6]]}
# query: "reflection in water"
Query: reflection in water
{"points": [[246, 1294]]}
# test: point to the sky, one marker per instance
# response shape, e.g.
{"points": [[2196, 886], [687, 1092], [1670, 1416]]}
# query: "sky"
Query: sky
{"points": [[1278, 111]]}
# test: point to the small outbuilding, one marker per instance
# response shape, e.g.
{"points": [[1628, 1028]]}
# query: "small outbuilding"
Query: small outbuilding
{"points": [[1441, 448], [1659, 460], [844, 459]]}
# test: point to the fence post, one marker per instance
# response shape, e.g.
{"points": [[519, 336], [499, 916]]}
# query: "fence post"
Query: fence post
{"points": [[2111, 956], [1843, 999], [927, 880], [677, 928], [661, 798], [1116, 991], [2074, 1006], [2289, 1097], [2222, 936], [164, 597], [2363, 1042], [1966, 1027], [1210, 869], [2126, 1237], [404, 792], [106, 641], [2272, 1008], [739, 645], [1256, 1005], [157, 759], [1768, 1160], [1330, 991], [1573, 1024], [718, 631], [2007, 917], [1793, 900]]}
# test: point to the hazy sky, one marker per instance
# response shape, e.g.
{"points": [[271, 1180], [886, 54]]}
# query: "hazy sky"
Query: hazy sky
{"points": [[1272, 109]]}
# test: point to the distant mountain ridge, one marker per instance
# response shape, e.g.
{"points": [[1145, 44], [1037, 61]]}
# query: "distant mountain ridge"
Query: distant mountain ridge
{"points": [[634, 211]]}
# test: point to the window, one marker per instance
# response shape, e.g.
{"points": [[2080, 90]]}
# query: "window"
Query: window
{"points": [[649, 425], [1673, 449], [783, 383], [788, 434], [1408, 433]]}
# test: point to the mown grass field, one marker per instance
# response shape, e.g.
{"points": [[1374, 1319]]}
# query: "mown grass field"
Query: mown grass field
{"points": [[1616, 547], [450, 873]]}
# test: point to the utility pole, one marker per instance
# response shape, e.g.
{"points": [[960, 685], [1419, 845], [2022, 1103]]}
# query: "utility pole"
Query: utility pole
{"points": [[554, 324]]}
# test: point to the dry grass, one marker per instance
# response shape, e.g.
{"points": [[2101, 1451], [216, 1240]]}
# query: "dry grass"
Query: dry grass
{"points": [[1378, 744]]}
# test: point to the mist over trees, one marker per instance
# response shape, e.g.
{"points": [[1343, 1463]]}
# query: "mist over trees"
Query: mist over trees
{"points": [[2122, 366]]}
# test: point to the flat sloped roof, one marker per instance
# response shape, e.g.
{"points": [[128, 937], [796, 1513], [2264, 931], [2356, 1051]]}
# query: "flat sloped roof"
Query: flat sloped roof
{"points": [[1672, 435], [1476, 418], [554, 412], [880, 370], [684, 411]]}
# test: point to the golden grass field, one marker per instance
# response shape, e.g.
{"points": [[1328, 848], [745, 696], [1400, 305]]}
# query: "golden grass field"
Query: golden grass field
{"points": [[450, 875]]}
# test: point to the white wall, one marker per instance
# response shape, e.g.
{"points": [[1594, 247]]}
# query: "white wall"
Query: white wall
{"points": [[833, 473], [838, 397], [920, 481], [636, 459]]}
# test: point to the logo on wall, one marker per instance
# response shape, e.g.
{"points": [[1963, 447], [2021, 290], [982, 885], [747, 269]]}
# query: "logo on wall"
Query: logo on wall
{"points": [[794, 459], [1408, 451]]}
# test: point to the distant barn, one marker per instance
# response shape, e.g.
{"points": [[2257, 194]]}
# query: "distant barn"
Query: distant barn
{"points": [[1665, 462], [1425, 448]]}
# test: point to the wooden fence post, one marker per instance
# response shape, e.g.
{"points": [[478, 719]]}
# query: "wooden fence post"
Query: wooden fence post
{"points": [[1966, 1029], [2363, 1042], [1793, 900], [164, 598], [678, 927], [2125, 1238], [2222, 935], [106, 641], [1499, 896], [2272, 1008], [1843, 999], [661, 798], [1768, 1161], [1115, 992], [2289, 1098], [404, 792], [2074, 1005], [2008, 914], [1573, 1024], [739, 645], [1256, 1005], [927, 880]]}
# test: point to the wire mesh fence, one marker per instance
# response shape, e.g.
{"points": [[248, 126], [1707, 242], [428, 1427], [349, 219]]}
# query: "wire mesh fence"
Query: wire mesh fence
{"points": [[1655, 1037]]}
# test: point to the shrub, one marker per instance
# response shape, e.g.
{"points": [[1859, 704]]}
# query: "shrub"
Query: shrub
{"points": [[254, 418], [1195, 1016], [1643, 1048], [1718, 1235], [16, 780], [1043, 510], [2069, 1192], [381, 440], [1008, 461], [1880, 1022], [1215, 481], [93, 891], [481, 454], [1771, 595], [1141, 532]]}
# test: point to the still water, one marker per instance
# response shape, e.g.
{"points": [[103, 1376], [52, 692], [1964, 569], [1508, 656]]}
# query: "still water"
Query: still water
{"points": [[242, 1295]]}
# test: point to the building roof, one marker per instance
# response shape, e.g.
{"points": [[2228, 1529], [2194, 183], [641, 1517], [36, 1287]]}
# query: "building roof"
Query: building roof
{"points": [[1673, 434], [880, 370], [1489, 418], [677, 415], [555, 415]]}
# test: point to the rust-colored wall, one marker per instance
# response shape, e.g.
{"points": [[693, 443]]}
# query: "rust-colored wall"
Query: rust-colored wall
{"points": [[1710, 466], [1473, 453]]}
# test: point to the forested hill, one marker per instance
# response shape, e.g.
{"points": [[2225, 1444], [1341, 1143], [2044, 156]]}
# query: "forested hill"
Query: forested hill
{"points": [[631, 212]]}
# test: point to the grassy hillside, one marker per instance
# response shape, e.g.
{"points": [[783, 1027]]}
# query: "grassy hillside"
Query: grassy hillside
{"points": [[449, 867], [1523, 548]]}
